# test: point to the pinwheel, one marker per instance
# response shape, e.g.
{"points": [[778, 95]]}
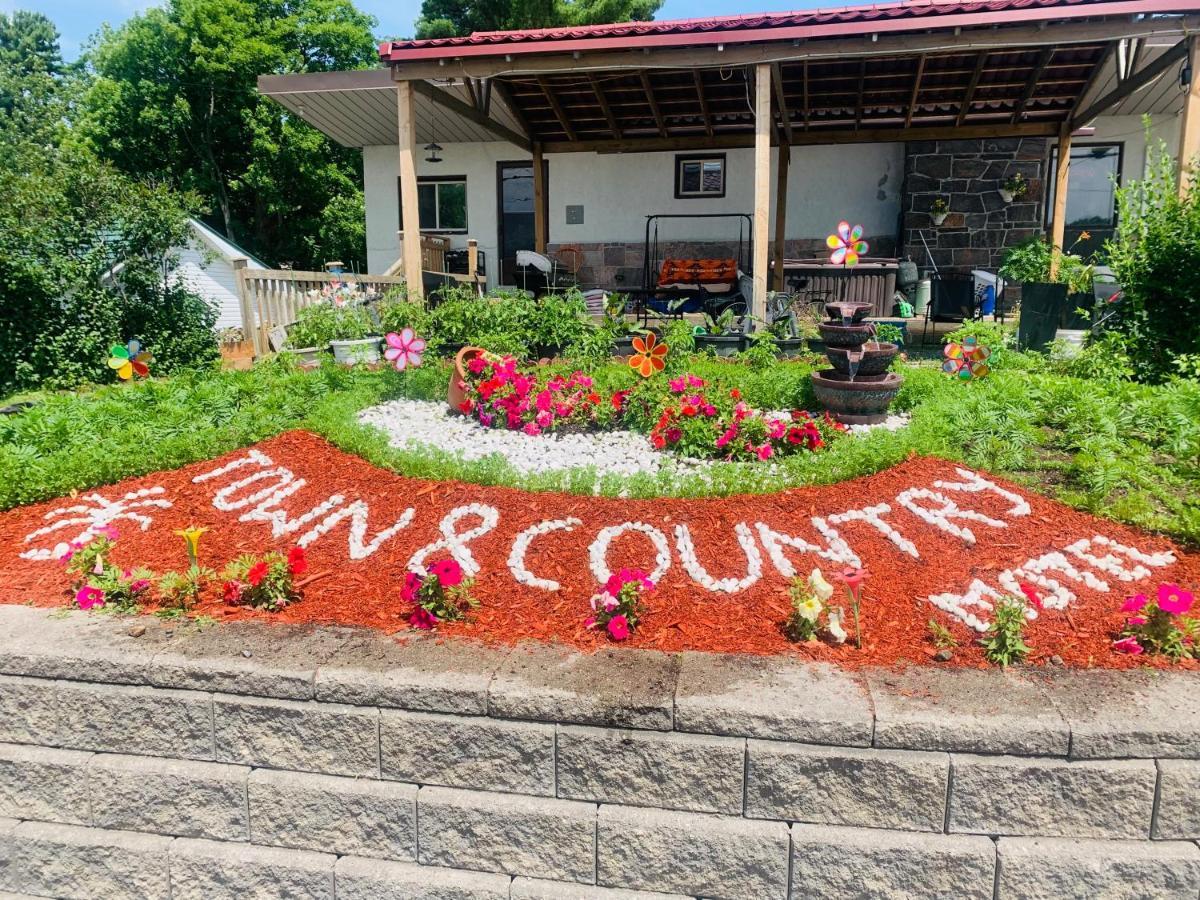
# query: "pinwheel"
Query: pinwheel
{"points": [[404, 349], [648, 355], [847, 244], [966, 360], [129, 360]]}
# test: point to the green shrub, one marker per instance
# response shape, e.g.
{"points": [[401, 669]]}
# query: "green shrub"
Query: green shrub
{"points": [[1029, 263]]}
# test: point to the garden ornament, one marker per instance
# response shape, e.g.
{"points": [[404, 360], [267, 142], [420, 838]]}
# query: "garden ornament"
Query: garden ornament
{"points": [[966, 360], [129, 360], [847, 244], [648, 355]]}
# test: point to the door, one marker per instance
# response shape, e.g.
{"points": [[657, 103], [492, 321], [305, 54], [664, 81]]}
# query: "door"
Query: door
{"points": [[515, 201]]}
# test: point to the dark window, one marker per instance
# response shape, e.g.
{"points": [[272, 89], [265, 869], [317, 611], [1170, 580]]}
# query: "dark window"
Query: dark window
{"points": [[441, 203], [1093, 174], [700, 176]]}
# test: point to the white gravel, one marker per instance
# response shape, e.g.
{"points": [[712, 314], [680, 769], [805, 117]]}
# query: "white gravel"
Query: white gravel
{"points": [[420, 424]]}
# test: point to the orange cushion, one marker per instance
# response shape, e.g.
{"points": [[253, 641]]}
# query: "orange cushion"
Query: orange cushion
{"points": [[697, 271]]}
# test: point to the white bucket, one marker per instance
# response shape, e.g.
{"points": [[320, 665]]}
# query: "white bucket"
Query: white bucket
{"points": [[350, 353]]}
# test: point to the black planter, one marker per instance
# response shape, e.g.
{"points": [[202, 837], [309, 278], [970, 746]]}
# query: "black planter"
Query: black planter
{"points": [[449, 351], [786, 348], [1072, 319], [623, 346], [1042, 306], [721, 344]]}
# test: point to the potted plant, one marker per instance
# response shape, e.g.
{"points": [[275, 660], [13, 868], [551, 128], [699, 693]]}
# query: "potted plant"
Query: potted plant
{"points": [[718, 336], [1047, 302], [1014, 188], [615, 323], [939, 210], [352, 341], [308, 337]]}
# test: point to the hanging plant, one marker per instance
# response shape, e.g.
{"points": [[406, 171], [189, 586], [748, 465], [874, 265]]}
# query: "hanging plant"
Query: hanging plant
{"points": [[939, 210], [1015, 188]]}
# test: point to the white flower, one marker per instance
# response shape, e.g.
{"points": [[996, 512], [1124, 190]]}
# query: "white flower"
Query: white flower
{"points": [[834, 625], [821, 588], [809, 608]]}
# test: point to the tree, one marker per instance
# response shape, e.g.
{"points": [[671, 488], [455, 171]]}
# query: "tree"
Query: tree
{"points": [[175, 96], [447, 18]]}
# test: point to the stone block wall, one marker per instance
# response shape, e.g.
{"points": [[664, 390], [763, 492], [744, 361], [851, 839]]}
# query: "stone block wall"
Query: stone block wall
{"points": [[969, 174], [227, 765]]}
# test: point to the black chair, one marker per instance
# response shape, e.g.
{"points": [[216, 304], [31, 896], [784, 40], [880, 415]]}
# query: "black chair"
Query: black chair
{"points": [[951, 300]]}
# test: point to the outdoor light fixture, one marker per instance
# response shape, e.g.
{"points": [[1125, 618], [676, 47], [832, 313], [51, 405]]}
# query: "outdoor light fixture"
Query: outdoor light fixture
{"points": [[434, 149]]}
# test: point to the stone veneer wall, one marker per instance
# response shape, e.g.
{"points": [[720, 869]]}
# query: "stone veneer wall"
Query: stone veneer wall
{"points": [[146, 759], [969, 174]]}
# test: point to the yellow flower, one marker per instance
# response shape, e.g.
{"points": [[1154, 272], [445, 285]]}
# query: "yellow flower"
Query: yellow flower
{"points": [[809, 608], [821, 588], [191, 536]]}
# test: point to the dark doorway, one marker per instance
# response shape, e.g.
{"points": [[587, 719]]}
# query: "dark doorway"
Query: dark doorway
{"points": [[514, 189]]}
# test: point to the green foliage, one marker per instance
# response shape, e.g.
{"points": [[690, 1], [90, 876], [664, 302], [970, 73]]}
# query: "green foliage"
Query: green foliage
{"points": [[998, 338], [1005, 640], [1029, 262], [887, 333], [181, 590], [1104, 358], [450, 18], [263, 582], [941, 636], [1155, 257]]}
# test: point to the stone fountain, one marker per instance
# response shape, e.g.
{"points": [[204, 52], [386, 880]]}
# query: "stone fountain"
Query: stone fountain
{"points": [[859, 388]]}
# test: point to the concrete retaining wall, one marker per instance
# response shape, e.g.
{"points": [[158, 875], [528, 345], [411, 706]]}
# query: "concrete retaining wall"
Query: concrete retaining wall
{"points": [[264, 761]]}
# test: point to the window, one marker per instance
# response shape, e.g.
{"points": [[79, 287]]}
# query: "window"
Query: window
{"points": [[700, 176], [441, 203], [1094, 172]]}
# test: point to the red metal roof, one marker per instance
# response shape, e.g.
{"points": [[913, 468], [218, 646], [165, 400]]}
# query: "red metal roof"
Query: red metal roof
{"points": [[816, 23]]}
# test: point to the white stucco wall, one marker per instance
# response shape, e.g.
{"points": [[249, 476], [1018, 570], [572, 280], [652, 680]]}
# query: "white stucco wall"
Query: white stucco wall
{"points": [[1130, 131], [860, 182]]}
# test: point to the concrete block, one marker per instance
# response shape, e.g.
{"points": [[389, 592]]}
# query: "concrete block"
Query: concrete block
{"points": [[347, 816], [376, 879], [536, 889], [209, 870], [1062, 869], [966, 710], [264, 660], [642, 768], [619, 688], [1051, 797], [900, 789], [535, 836], [44, 784], [305, 736], [70, 861], [169, 796], [1178, 815], [29, 713], [469, 752], [888, 865], [140, 720], [691, 854], [772, 698], [419, 673]]}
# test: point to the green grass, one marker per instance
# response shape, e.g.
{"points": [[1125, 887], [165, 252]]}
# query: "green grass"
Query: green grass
{"points": [[1122, 450]]}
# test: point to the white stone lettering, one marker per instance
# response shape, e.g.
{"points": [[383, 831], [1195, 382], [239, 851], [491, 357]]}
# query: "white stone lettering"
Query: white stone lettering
{"points": [[1112, 565], [974, 484], [95, 513], [945, 510], [252, 458], [692, 565], [835, 549], [1034, 571], [598, 551], [960, 605], [277, 480], [873, 516], [454, 542], [358, 513], [520, 547]]}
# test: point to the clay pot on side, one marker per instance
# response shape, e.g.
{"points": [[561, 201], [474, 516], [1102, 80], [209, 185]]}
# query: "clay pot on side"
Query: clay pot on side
{"points": [[456, 392]]}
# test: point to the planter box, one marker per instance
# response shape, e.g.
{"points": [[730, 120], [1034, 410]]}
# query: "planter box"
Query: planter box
{"points": [[306, 356], [364, 350], [721, 344], [623, 347], [1042, 306], [789, 347]]}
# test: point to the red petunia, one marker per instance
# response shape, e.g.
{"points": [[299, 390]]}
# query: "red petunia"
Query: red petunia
{"points": [[231, 591], [257, 573], [297, 562]]}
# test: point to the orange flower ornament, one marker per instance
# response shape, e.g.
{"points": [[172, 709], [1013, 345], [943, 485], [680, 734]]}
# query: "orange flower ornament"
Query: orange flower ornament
{"points": [[648, 355]]}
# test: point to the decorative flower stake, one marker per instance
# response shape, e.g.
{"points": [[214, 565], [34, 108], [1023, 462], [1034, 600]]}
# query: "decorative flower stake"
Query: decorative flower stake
{"points": [[404, 349], [847, 244], [648, 355], [966, 360], [129, 360]]}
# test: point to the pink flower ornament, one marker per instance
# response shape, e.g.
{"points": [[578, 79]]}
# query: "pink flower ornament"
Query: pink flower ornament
{"points": [[404, 349]]}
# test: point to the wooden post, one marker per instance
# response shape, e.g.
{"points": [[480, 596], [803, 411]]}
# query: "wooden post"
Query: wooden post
{"points": [[1058, 220], [762, 186], [540, 233], [410, 211], [1189, 126], [785, 159], [473, 263], [249, 326]]}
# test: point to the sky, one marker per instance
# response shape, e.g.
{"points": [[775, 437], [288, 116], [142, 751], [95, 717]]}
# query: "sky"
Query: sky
{"points": [[78, 20]]}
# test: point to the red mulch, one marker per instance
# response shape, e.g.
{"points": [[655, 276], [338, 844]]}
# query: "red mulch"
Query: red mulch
{"points": [[682, 615]]}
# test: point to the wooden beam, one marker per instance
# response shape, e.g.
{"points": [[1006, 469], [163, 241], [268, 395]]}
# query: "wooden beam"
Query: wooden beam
{"points": [[699, 82], [467, 111], [1189, 125], [806, 138], [781, 182], [1058, 219], [971, 85], [613, 125], [1093, 77], [658, 116], [762, 188], [500, 89], [1133, 83], [541, 233], [410, 213], [785, 115], [1035, 75], [916, 91], [559, 114]]}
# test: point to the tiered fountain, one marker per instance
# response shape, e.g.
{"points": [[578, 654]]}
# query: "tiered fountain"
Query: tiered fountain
{"points": [[859, 388]]}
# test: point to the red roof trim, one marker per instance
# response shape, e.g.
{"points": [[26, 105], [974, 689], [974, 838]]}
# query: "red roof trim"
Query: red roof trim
{"points": [[848, 21]]}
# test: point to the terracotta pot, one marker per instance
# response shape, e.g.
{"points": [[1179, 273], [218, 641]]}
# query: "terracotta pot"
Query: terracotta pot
{"points": [[456, 393]]}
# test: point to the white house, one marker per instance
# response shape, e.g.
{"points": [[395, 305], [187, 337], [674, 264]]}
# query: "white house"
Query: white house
{"points": [[875, 111], [206, 266]]}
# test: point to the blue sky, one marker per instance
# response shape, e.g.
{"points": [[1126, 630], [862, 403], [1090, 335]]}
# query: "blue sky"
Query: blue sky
{"points": [[80, 19]]}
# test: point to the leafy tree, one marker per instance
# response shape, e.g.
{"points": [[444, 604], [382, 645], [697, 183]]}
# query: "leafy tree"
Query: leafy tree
{"points": [[175, 97], [447, 18]]}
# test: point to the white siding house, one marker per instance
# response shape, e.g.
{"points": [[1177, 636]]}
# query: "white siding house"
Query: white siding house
{"points": [[206, 267]]}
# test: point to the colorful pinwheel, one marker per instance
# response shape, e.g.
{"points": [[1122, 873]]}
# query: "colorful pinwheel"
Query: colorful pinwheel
{"points": [[404, 349], [966, 360], [129, 360], [648, 355], [847, 244]]}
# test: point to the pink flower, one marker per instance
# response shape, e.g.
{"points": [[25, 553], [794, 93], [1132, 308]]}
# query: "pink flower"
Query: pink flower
{"points": [[231, 591], [589, 622], [1134, 603], [476, 364], [108, 531], [486, 419], [1135, 621], [1174, 599], [543, 401], [678, 385], [618, 628], [404, 349], [531, 428], [695, 381], [87, 597], [776, 428], [139, 585], [673, 435], [422, 618], [853, 579], [448, 572], [765, 451], [544, 419], [412, 584], [1128, 645]]}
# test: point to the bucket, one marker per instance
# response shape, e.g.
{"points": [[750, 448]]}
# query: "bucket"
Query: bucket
{"points": [[924, 289]]}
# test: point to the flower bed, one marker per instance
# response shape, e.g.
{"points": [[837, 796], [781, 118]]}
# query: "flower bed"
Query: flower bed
{"points": [[939, 542]]}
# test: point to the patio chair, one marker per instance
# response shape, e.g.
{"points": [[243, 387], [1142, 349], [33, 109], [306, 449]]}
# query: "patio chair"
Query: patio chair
{"points": [[542, 275], [951, 300]]}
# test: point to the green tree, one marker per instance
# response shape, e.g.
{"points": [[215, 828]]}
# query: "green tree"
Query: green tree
{"points": [[175, 97], [447, 18]]}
